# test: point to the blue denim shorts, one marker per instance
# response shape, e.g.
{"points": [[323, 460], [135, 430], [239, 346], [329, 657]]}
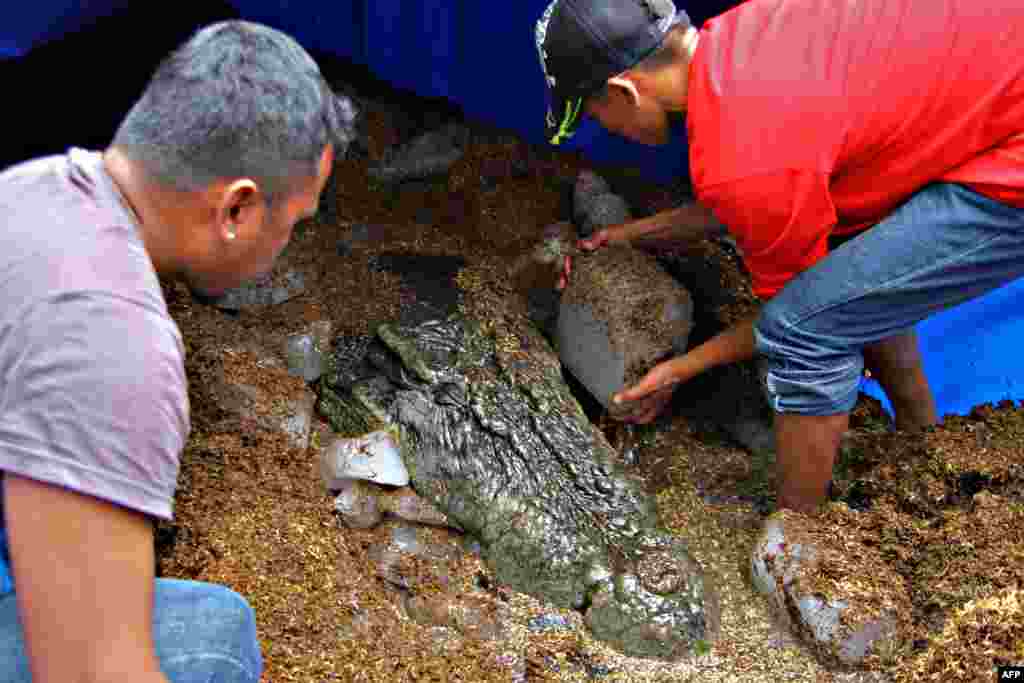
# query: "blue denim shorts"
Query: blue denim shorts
{"points": [[945, 245], [203, 632]]}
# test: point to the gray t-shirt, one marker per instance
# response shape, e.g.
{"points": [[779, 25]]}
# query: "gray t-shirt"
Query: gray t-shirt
{"points": [[93, 395]]}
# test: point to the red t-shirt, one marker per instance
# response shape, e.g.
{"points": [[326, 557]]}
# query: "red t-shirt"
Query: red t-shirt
{"points": [[808, 117]]}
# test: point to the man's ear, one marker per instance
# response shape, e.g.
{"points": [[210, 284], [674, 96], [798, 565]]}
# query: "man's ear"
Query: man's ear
{"points": [[241, 209], [626, 86]]}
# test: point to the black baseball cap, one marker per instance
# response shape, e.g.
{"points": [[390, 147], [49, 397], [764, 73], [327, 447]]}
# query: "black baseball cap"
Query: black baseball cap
{"points": [[583, 43]]}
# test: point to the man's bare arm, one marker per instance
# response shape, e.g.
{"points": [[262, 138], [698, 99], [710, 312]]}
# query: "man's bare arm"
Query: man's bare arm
{"points": [[682, 225], [84, 574]]}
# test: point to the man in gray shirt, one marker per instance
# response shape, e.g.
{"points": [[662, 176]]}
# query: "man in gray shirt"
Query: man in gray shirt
{"points": [[229, 146]]}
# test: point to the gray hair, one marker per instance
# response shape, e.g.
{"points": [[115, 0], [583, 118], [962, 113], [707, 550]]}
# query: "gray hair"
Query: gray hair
{"points": [[237, 100]]}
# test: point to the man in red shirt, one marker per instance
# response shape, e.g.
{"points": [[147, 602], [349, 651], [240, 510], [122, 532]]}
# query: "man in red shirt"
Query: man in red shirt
{"points": [[897, 122]]}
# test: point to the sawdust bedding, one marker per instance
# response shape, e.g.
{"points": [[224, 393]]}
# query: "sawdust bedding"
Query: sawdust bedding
{"points": [[943, 511]]}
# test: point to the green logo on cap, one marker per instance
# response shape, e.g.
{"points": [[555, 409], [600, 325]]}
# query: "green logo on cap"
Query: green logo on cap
{"points": [[568, 125]]}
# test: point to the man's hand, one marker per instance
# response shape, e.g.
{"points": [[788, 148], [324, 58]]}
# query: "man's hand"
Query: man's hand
{"points": [[687, 224], [641, 405], [603, 237], [645, 400], [83, 572]]}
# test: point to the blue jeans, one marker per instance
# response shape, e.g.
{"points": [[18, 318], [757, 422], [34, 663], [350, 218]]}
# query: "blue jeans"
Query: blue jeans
{"points": [[203, 632], [945, 245]]}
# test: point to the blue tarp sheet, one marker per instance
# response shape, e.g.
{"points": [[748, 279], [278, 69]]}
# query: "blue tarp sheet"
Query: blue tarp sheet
{"points": [[481, 55], [26, 25], [970, 351]]}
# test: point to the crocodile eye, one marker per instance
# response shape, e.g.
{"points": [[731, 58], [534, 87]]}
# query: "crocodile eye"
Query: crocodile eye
{"points": [[450, 394]]}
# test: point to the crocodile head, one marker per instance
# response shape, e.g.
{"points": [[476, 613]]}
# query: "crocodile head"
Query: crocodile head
{"points": [[491, 435]]}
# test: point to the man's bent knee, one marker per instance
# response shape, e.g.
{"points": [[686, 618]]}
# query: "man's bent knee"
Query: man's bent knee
{"points": [[806, 373]]}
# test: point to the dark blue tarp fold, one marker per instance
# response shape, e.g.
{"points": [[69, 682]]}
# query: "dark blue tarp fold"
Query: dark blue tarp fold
{"points": [[26, 25]]}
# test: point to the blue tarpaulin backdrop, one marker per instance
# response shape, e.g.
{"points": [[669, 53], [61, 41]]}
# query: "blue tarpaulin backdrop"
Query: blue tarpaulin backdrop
{"points": [[26, 25], [481, 55]]}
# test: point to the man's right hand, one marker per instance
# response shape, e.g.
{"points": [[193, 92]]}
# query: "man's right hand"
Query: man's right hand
{"points": [[603, 237]]}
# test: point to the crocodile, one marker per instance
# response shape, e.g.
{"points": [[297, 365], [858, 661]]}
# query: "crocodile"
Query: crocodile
{"points": [[492, 436]]}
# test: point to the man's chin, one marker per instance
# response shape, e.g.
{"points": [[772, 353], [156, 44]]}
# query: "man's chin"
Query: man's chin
{"points": [[207, 296], [660, 136], [654, 142], [207, 293], [660, 142], [654, 138]]}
